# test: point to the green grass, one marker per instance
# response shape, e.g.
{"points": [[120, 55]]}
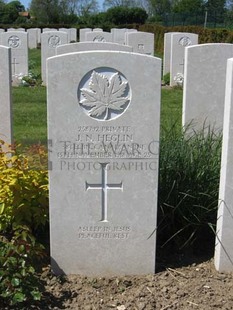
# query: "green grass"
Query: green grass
{"points": [[29, 115]]}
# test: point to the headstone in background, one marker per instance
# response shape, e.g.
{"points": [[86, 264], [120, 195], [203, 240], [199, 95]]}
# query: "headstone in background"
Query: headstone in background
{"points": [[178, 43], [224, 229], [18, 42], [32, 37], [97, 29], [16, 29], [91, 46], [142, 42], [82, 34], [49, 29], [1, 31], [73, 34], [104, 162], [167, 52], [5, 89], [118, 35], [98, 36], [204, 85], [67, 31], [39, 35], [49, 41]]}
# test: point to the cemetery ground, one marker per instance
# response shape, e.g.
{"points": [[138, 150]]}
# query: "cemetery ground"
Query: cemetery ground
{"points": [[185, 276]]}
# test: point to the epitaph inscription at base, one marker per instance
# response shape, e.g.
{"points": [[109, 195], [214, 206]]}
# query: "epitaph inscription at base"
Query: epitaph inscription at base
{"points": [[104, 144]]}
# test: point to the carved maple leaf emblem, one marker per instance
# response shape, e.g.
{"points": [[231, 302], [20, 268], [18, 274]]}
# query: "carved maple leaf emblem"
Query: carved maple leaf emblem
{"points": [[105, 95]]}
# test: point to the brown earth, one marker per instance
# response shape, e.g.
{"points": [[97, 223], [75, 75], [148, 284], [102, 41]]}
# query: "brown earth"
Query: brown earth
{"points": [[196, 286]]}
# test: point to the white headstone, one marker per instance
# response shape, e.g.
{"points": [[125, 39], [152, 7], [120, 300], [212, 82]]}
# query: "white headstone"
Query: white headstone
{"points": [[18, 42], [49, 29], [178, 43], [49, 42], [104, 162], [16, 29], [167, 52], [38, 35], [97, 29], [32, 37], [1, 31], [204, 85], [73, 34], [98, 36], [118, 34], [5, 89], [82, 34], [224, 230], [142, 42], [91, 46], [67, 31]]}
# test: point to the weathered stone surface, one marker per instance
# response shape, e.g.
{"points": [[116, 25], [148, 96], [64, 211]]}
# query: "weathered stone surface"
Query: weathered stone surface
{"points": [[104, 161], [204, 85], [224, 230]]}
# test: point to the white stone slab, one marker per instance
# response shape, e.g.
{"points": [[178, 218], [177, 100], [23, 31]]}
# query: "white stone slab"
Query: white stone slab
{"points": [[178, 43], [97, 29], [15, 29], [98, 36], [73, 34], [142, 42], [18, 42], [49, 42], [167, 52], [82, 34], [67, 30], [49, 29], [32, 37], [91, 46], [224, 230], [118, 34], [204, 85], [5, 89], [38, 35], [113, 230]]}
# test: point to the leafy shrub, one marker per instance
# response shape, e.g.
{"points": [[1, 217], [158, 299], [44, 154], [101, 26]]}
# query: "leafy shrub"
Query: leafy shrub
{"points": [[123, 15], [24, 216]]}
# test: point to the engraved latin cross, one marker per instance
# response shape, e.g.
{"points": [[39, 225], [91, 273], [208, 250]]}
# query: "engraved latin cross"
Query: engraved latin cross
{"points": [[14, 63], [104, 186]]}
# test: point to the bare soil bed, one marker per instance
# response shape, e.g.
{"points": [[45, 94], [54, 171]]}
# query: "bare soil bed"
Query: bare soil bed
{"points": [[196, 286]]}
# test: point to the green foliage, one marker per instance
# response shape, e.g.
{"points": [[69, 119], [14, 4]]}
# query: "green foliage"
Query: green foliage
{"points": [[123, 15], [24, 217], [188, 190], [166, 78], [205, 35], [9, 13]]}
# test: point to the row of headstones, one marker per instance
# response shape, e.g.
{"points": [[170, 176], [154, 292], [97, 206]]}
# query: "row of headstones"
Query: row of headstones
{"points": [[142, 42], [34, 34], [107, 140], [203, 70], [107, 158]]}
